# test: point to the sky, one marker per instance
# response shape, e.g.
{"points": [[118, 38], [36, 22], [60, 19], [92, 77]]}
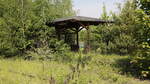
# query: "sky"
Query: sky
{"points": [[93, 8]]}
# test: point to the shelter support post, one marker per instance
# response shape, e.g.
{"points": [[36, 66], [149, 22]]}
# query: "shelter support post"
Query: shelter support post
{"points": [[58, 33], [77, 39], [87, 44]]}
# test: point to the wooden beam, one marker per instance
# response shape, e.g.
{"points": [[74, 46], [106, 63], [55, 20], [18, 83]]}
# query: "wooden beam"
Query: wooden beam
{"points": [[73, 29], [80, 29]]}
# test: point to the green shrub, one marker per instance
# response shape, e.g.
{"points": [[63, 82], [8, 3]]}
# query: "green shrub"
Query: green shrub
{"points": [[141, 62], [39, 54], [57, 50]]}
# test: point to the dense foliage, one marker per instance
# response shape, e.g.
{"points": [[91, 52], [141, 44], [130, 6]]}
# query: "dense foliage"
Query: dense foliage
{"points": [[141, 59], [22, 24], [120, 37], [130, 34], [144, 4]]}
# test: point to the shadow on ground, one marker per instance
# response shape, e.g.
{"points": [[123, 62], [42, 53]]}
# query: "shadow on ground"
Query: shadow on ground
{"points": [[127, 68]]}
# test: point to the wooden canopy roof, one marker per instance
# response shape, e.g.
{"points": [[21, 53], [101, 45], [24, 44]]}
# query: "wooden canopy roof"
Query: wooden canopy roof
{"points": [[77, 21]]}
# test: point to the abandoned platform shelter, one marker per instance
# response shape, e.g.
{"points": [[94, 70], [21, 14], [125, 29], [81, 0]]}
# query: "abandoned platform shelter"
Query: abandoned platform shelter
{"points": [[69, 28]]}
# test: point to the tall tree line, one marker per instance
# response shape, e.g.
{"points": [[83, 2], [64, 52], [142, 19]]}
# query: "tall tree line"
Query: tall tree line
{"points": [[129, 35], [130, 29], [22, 23]]}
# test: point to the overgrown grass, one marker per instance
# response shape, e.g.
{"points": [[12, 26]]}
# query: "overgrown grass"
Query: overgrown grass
{"points": [[100, 69]]}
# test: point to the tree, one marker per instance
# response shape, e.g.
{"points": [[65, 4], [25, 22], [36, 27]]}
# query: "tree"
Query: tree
{"points": [[144, 5], [119, 37], [141, 58], [24, 23], [104, 15]]}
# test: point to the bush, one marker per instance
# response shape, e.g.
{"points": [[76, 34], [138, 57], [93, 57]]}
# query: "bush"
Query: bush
{"points": [[57, 50], [141, 61], [115, 43], [39, 53]]}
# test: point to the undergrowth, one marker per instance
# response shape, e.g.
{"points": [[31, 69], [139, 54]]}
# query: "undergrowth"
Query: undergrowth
{"points": [[82, 69]]}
